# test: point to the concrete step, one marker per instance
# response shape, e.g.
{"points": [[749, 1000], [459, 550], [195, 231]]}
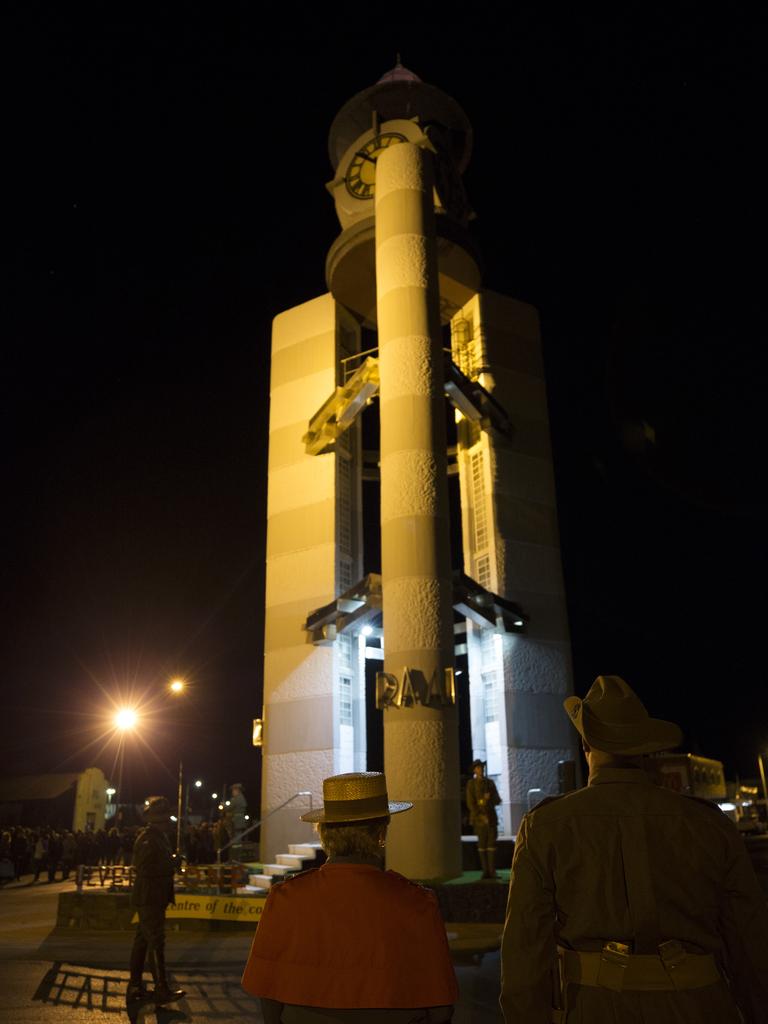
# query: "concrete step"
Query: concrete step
{"points": [[260, 882], [276, 869], [291, 860], [307, 851]]}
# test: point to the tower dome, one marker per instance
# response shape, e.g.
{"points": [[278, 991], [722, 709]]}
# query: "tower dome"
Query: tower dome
{"points": [[398, 74]]}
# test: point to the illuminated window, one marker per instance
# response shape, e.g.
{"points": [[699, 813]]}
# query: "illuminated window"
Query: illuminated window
{"points": [[478, 502], [489, 675], [345, 574], [345, 650], [491, 697], [344, 486], [345, 700]]}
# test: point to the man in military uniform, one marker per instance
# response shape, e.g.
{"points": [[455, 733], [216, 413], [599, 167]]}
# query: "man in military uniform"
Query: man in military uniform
{"points": [[627, 901], [482, 800], [152, 892]]}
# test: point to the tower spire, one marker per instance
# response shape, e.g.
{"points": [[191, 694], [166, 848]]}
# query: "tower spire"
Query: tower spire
{"points": [[398, 74]]}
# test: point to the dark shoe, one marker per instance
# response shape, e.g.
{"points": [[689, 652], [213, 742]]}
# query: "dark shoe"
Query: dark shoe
{"points": [[164, 994]]}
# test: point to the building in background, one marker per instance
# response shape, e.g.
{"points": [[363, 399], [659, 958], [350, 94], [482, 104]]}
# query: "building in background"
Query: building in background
{"points": [[73, 800], [408, 331]]}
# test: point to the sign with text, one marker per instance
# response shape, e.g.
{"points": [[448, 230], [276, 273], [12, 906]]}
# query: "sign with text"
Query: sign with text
{"points": [[215, 908], [413, 687]]}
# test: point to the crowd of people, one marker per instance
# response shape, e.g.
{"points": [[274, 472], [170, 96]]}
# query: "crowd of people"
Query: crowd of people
{"points": [[47, 851], [52, 855]]}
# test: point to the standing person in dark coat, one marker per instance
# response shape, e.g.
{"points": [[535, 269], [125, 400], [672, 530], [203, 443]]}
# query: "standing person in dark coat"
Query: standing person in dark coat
{"points": [[482, 800], [20, 851], [39, 854], [68, 855], [54, 855], [152, 892]]}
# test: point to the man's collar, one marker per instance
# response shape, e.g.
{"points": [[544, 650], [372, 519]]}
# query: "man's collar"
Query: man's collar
{"points": [[607, 773], [372, 862]]}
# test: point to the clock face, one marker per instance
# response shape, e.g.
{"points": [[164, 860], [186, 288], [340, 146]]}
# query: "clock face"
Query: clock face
{"points": [[361, 173]]}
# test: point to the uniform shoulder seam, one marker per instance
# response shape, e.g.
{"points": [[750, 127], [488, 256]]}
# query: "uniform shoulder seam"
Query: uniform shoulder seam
{"points": [[547, 800]]}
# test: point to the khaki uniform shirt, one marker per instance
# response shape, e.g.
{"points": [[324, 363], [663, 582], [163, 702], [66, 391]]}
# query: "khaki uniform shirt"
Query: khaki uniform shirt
{"points": [[626, 860], [482, 798]]}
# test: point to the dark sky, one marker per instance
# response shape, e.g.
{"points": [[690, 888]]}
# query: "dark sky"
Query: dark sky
{"points": [[166, 199]]}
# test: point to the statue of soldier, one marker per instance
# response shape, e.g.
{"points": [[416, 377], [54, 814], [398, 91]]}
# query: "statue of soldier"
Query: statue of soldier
{"points": [[152, 892], [482, 800]]}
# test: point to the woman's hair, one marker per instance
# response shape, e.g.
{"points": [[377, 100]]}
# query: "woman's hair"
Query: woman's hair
{"points": [[360, 840]]}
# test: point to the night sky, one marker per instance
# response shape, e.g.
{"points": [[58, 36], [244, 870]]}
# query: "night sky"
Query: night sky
{"points": [[165, 199]]}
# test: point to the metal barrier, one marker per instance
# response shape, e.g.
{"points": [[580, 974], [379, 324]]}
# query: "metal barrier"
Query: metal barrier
{"points": [[119, 876]]}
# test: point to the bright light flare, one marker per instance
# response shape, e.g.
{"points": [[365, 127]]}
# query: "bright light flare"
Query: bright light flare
{"points": [[198, 783], [126, 718], [177, 686]]}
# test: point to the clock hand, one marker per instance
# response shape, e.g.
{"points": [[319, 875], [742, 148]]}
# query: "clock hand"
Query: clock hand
{"points": [[365, 156]]}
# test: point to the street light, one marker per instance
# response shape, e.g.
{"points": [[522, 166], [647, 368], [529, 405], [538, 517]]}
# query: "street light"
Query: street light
{"points": [[125, 719], [198, 783], [176, 686]]}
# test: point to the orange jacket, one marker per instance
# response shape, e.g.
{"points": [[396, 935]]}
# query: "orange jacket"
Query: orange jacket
{"points": [[351, 936]]}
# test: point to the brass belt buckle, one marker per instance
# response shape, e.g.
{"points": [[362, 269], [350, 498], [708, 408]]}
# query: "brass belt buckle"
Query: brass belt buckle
{"points": [[614, 960]]}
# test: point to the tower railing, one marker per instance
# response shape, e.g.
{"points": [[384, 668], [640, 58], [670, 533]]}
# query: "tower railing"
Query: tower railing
{"points": [[349, 364]]}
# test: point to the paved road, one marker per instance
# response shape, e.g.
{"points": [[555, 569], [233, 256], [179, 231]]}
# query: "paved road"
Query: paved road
{"points": [[68, 976]]}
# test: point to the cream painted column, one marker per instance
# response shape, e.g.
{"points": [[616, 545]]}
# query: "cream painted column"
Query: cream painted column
{"points": [[421, 756]]}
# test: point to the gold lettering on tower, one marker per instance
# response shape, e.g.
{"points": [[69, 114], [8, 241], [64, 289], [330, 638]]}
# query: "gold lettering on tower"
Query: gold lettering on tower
{"points": [[413, 688]]}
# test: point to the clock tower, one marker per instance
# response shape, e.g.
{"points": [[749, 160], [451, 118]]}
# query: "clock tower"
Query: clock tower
{"points": [[404, 272]]}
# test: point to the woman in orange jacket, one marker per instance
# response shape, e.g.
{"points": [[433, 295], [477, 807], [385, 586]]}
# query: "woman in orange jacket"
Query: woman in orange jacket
{"points": [[350, 936]]}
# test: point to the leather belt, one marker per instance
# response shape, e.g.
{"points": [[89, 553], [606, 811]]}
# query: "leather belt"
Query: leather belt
{"points": [[614, 967]]}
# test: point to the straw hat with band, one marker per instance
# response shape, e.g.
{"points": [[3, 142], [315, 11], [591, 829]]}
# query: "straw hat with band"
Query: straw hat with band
{"points": [[613, 719], [353, 797]]}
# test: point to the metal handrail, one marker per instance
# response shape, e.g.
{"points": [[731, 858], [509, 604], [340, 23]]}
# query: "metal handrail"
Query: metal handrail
{"points": [[238, 840]]}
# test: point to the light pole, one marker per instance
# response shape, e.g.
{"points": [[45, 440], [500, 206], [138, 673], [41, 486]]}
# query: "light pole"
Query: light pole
{"points": [[125, 719], [177, 687], [761, 765]]}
